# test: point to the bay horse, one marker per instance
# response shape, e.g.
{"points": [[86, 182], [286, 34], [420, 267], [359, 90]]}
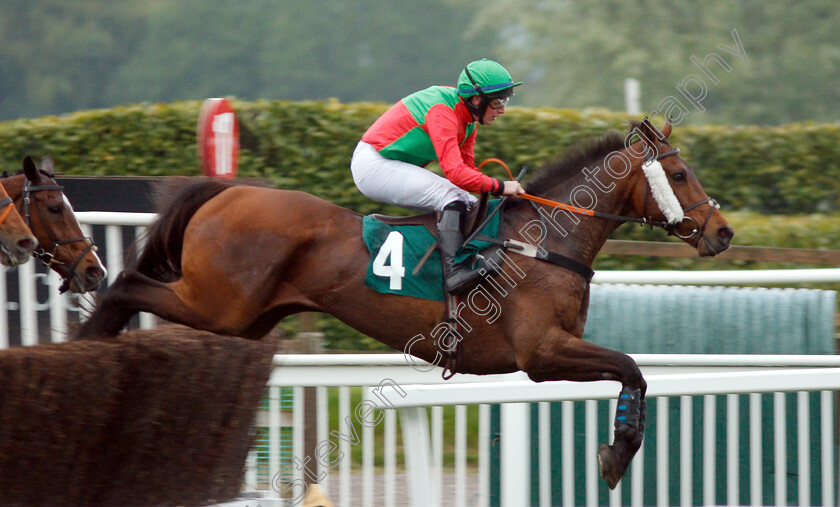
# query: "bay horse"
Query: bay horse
{"points": [[236, 259], [46, 210], [16, 240]]}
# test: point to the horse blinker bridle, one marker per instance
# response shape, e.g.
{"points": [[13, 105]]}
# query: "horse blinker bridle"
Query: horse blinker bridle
{"points": [[49, 258]]}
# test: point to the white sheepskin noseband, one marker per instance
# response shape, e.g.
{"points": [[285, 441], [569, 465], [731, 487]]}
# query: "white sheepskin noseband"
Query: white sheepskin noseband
{"points": [[662, 192]]}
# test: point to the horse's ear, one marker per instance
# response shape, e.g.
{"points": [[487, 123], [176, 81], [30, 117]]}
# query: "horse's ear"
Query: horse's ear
{"points": [[648, 134], [666, 130], [653, 132], [47, 165], [29, 169]]}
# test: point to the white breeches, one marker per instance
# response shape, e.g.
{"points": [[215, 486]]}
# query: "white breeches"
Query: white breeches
{"points": [[403, 184]]}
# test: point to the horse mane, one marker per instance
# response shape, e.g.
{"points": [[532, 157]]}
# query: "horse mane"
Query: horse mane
{"points": [[587, 153]]}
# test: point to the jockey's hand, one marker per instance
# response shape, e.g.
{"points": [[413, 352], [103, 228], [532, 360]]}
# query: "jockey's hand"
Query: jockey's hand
{"points": [[513, 187]]}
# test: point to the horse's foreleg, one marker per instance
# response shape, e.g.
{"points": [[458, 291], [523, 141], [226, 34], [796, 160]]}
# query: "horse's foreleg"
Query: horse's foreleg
{"points": [[131, 293], [569, 358], [613, 460]]}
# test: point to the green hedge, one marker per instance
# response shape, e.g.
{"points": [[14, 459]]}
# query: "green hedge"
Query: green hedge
{"points": [[793, 169]]}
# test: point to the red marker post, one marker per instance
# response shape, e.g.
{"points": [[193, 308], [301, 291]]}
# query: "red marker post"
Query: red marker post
{"points": [[218, 139]]}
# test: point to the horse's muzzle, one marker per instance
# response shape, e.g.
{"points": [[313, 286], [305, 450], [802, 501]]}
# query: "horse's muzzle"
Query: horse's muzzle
{"points": [[93, 276], [708, 245]]}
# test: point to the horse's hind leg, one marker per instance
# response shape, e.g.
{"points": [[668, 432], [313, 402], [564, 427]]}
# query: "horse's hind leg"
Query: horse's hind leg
{"points": [[569, 358], [130, 294]]}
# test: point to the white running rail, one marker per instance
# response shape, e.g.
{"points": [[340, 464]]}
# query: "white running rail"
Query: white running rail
{"points": [[516, 425]]}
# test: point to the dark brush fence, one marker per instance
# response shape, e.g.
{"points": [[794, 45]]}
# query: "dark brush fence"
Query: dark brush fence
{"points": [[155, 417]]}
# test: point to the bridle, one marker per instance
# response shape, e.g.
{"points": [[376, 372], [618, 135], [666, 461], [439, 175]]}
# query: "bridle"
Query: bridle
{"points": [[49, 258], [6, 204], [671, 228]]}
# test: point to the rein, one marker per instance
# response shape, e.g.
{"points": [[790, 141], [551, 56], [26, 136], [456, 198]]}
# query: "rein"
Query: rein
{"points": [[40, 253], [9, 205], [671, 228], [6, 202]]}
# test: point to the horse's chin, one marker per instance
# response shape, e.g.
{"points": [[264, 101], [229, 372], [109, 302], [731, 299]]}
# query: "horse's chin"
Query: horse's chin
{"points": [[708, 248], [12, 260], [74, 288]]}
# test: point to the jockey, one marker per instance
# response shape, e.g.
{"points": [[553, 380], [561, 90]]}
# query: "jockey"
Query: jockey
{"points": [[437, 124]]}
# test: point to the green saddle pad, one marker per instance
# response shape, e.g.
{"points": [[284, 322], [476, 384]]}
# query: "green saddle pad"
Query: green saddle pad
{"points": [[396, 250]]}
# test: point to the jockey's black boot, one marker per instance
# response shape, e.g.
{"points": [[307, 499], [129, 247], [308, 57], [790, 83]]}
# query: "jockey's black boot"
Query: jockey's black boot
{"points": [[459, 278]]}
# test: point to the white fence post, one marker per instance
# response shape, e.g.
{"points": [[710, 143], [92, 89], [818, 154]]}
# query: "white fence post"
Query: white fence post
{"points": [[4, 314], [418, 464], [516, 456], [28, 303], [58, 308]]}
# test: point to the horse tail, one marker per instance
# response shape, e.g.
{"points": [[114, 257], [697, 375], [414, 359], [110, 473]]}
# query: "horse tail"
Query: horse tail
{"points": [[177, 201]]}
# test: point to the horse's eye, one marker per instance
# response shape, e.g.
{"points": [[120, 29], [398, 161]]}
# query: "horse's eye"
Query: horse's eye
{"points": [[679, 176], [55, 209]]}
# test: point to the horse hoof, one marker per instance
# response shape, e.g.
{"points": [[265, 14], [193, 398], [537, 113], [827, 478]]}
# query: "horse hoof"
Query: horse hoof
{"points": [[611, 471]]}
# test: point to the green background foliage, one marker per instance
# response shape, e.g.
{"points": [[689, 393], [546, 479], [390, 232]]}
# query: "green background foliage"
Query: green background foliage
{"points": [[790, 169], [577, 54], [58, 56]]}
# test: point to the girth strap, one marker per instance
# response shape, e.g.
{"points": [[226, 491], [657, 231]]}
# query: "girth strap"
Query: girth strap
{"points": [[567, 262], [542, 254]]}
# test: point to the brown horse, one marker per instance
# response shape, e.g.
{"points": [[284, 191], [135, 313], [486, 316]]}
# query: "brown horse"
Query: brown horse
{"points": [[63, 246], [16, 240], [237, 259]]}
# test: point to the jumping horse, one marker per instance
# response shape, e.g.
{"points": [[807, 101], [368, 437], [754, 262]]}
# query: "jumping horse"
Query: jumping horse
{"points": [[16, 240], [236, 259], [46, 210]]}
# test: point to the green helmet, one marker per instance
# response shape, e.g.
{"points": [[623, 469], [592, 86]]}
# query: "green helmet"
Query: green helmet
{"points": [[485, 77]]}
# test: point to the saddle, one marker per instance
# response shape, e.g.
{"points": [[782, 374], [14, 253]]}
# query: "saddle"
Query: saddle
{"points": [[429, 220]]}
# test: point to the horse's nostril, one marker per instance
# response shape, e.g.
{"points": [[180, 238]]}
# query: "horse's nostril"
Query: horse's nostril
{"points": [[725, 234], [27, 244], [94, 274]]}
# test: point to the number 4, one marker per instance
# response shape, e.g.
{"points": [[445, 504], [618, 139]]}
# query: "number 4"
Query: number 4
{"points": [[393, 247]]}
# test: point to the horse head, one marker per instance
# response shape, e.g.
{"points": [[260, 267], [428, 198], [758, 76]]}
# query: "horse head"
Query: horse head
{"points": [[16, 240], [64, 247], [670, 193]]}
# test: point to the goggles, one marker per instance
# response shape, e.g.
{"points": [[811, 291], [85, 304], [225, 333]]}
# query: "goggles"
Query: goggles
{"points": [[499, 102]]}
